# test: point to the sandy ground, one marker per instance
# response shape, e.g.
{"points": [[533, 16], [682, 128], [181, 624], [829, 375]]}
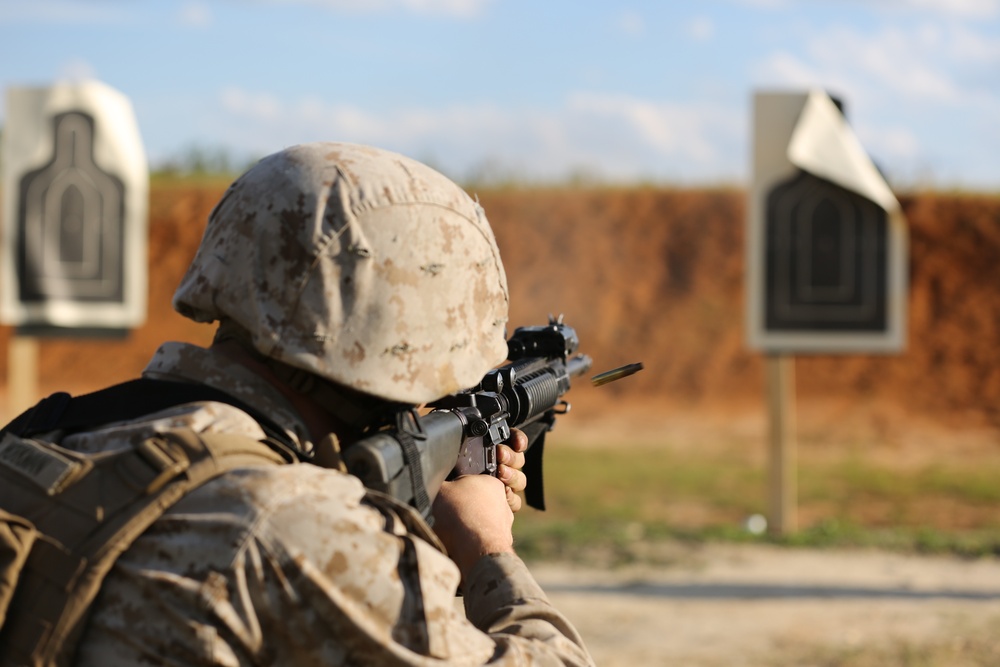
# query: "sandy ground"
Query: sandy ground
{"points": [[758, 605]]}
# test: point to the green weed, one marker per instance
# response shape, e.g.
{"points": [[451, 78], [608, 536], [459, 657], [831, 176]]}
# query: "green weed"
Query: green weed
{"points": [[616, 502]]}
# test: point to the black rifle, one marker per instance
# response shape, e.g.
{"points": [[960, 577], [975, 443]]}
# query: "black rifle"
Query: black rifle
{"points": [[460, 435]]}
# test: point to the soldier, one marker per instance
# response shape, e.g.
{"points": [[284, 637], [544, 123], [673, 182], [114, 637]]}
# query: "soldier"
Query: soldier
{"points": [[349, 284]]}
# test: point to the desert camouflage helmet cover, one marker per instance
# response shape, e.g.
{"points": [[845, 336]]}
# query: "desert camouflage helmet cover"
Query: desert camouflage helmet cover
{"points": [[357, 264]]}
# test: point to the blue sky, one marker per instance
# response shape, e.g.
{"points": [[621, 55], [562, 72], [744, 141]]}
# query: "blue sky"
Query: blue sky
{"points": [[543, 89]]}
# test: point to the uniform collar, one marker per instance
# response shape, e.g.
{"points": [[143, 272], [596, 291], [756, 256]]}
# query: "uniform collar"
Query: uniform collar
{"points": [[183, 362]]}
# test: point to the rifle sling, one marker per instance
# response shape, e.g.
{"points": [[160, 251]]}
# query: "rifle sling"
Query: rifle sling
{"points": [[128, 401]]}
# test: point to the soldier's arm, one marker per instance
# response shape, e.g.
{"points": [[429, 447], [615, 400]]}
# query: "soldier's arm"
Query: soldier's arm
{"points": [[474, 521], [300, 565], [503, 600]]}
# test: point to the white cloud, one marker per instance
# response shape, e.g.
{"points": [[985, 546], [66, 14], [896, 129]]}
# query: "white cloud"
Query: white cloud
{"points": [[899, 142], [76, 70], [957, 8], [966, 46], [670, 130], [901, 62], [452, 7], [63, 11], [921, 96], [616, 137], [631, 23], [784, 69], [258, 106], [962, 9], [195, 15], [700, 28], [928, 64], [455, 8], [764, 4]]}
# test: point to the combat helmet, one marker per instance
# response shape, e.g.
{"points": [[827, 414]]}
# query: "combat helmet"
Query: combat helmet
{"points": [[357, 265]]}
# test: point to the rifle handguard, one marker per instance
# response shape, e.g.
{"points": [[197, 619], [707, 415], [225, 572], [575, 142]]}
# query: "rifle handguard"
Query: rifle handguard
{"points": [[460, 436]]}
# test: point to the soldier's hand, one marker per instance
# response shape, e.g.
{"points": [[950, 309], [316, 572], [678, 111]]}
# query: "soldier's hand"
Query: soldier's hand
{"points": [[473, 520], [510, 457]]}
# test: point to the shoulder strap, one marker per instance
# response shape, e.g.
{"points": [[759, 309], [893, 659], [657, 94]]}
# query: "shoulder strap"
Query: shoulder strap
{"points": [[127, 401], [86, 516]]}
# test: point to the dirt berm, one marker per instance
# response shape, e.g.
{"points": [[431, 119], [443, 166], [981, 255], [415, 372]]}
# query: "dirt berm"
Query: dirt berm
{"points": [[657, 275]]}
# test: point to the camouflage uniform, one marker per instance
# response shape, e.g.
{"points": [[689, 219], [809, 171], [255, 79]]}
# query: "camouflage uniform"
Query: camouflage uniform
{"points": [[299, 565]]}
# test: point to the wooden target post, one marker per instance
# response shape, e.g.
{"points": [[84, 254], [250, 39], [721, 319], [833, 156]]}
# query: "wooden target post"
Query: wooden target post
{"points": [[22, 374], [826, 260], [783, 450]]}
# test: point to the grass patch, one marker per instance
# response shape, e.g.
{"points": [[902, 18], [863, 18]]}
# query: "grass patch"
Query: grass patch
{"points": [[620, 500]]}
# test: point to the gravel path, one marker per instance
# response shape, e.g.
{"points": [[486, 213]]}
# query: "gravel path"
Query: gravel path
{"points": [[759, 605]]}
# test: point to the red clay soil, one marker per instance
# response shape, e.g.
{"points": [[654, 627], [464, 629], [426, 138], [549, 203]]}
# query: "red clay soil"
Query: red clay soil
{"points": [[655, 275]]}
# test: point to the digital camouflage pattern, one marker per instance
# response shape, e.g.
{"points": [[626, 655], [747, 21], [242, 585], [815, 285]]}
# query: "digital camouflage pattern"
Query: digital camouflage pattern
{"points": [[360, 265], [298, 565]]}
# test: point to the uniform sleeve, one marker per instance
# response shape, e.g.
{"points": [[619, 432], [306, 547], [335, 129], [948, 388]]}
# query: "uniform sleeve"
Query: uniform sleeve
{"points": [[300, 566], [503, 600], [382, 592]]}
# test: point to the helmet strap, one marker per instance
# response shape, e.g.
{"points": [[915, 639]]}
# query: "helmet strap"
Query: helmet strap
{"points": [[359, 413]]}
